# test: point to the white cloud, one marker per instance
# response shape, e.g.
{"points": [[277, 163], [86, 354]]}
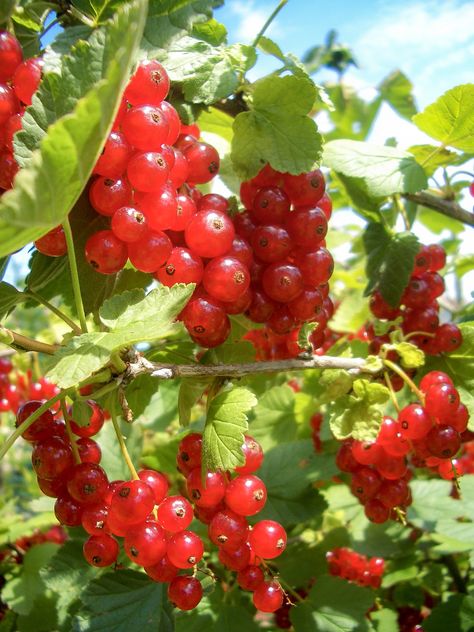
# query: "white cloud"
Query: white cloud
{"points": [[251, 19], [432, 41]]}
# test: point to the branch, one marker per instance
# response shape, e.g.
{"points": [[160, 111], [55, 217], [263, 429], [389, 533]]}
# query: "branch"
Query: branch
{"points": [[445, 207], [171, 371], [23, 343]]}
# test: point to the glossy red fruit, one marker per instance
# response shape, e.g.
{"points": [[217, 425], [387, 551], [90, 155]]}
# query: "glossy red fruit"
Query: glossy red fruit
{"points": [[391, 467], [129, 224], [228, 529], [101, 550], [366, 452], [437, 256], [185, 549], [150, 252], [459, 419], [365, 483], [8, 103], [236, 558], [203, 162], [149, 83], [53, 244], [316, 266], [267, 539], [175, 514], [114, 157], [213, 202], [270, 205], [442, 400], [443, 441], [94, 424], [51, 457], [157, 482], [205, 493], [185, 592], [226, 278], [105, 253], [146, 127], [271, 243], [52, 487], [132, 502], [376, 511], [253, 455], [246, 495], [268, 596], [209, 233], [434, 377], [451, 468], [448, 338], [202, 317], [393, 493], [414, 422], [147, 171], [162, 571], [182, 266], [11, 55], [39, 429], [250, 577], [94, 519], [307, 227], [107, 195], [145, 543], [261, 308], [67, 510], [422, 260], [185, 210], [282, 282], [189, 453], [305, 189], [87, 483]]}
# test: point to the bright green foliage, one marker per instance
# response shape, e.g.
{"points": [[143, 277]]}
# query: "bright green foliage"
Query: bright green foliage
{"points": [[411, 357], [9, 298], [57, 172], [390, 261], [226, 424], [277, 129], [385, 170], [359, 414], [449, 119], [397, 90]]}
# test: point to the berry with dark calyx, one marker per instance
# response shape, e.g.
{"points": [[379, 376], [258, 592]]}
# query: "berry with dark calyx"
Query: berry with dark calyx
{"points": [[115, 156], [226, 278], [448, 338], [366, 452], [443, 441], [189, 454], [132, 502], [146, 127], [228, 529], [416, 292], [414, 422], [87, 483], [241, 250], [268, 596], [305, 189], [250, 577], [422, 261], [149, 84], [202, 317], [185, 592], [267, 539], [209, 233], [94, 519], [40, 428], [145, 543], [150, 252], [105, 253], [307, 227], [307, 305], [205, 491], [442, 400], [162, 571], [391, 467], [53, 244], [246, 495], [129, 224], [376, 511], [94, 424], [316, 266], [185, 549], [107, 195], [253, 454], [437, 256], [185, 210], [203, 161], [175, 513], [261, 308], [182, 266], [147, 171], [345, 460], [393, 493], [159, 207], [282, 282], [271, 243], [51, 457], [157, 482], [365, 483], [270, 206], [101, 550]]}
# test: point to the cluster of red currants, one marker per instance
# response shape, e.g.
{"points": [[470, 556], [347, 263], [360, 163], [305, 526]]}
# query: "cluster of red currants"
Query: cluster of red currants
{"points": [[224, 505], [419, 307], [431, 431], [17, 387], [19, 80], [357, 568]]}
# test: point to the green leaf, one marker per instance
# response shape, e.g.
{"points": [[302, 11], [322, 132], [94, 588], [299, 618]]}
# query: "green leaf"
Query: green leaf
{"points": [[277, 129], [9, 298], [190, 390], [290, 62], [57, 171], [287, 472], [211, 31], [359, 414], [385, 170], [234, 619], [459, 365], [225, 427], [432, 502], [457, 613], [6, 9], [150, 319], [397, 91], [20, 592], [207, 73], [411, 356], [351, 314], [273, 419], [357, 195], [390, 261], [112, 460], [449, 119], [334, 383], [216, 122], [333, 605], [121, 602], [431, 157], [81, 413]]}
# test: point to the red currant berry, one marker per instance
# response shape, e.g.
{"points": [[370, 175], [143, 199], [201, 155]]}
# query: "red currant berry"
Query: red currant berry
{"points": [[305, 189], [147, 171], [51, 457], [146, 127], [365, 483], [213, 202], [203, 162], [282, 282], [87, 483], [11, 55], [94, 519], [209, 233], [443, 441], [189, 453], [185, 549], [162, 571], [253, 455], [132, 502], [128, 224], [414, 422], [105, 253], [267, 539], [53, 244], [437, 257], [448, 338], [107, 195], [185, 592], [185, 210], [226, 278], [149, 84], [268, 596], [115, 156], [52, 488], [39, 429], [205, 493], [307, 227], [157, 482], [316, 267], [376, 511], [236, 558], [101, 550], [67, 510], [94, 424], [442, 400], [145, 544], [202, 317], [174, 122], [150, 252], [250, 577], [8, 103], [434, 377], [271, 243], [182, 266], [228, 530], [246, 495], [270, 205], [175, 514]]}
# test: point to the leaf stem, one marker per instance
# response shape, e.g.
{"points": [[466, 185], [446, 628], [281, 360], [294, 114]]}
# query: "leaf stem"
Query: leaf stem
{"points": [[30, 420], [408, 381], [76, 285], [269, 20], [123, 447], [14, 339], [393, 397], [76, 329], [453, 569], [72, 439], [401, 209]]}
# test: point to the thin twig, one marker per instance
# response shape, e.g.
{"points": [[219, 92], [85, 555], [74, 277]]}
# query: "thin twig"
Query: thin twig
{"points": [[446, 207], [19, 341]]}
